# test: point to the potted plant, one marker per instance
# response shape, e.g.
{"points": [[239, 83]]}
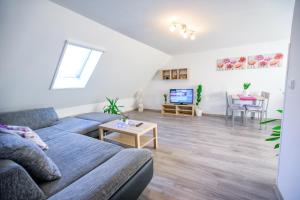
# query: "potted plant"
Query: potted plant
{"points": [[166, 98], [112, 107], [198, 100], [276, 131], [246, 87]]}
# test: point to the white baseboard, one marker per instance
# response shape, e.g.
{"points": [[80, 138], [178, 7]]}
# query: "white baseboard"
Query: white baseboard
{"points": [[128, 103], [278, 193]]}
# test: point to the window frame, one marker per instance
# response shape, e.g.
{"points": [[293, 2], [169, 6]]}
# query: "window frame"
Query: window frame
{"points": [[66, 43]]}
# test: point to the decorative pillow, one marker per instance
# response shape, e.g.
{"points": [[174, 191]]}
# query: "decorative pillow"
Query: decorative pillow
{"points": [[28, 155], [24, 132]]}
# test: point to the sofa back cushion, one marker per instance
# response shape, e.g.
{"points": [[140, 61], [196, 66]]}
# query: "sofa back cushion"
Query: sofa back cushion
{"points": [[34, 118], [28, 155]]}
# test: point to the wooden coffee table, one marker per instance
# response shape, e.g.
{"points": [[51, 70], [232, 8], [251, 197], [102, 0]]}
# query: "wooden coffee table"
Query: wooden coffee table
{"points": [[130, 135]]}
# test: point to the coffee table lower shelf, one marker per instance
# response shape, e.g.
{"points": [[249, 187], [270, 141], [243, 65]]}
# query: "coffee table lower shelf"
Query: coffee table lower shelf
{"points": [[129, 140]]}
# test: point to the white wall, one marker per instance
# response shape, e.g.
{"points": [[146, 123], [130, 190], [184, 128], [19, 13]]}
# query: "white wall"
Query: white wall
{"points": [[128, 104], [202, 67], [289, 163], [32, 36]]}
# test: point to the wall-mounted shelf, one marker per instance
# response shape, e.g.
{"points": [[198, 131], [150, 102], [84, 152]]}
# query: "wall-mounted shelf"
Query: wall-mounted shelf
{"points": [[182, 110], [174, 74]]}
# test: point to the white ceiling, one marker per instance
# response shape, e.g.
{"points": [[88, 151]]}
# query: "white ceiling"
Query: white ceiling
{"points": [[220, 23]]}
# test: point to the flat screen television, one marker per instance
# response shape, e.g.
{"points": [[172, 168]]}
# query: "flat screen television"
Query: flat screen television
{"points": [[181, 96]]}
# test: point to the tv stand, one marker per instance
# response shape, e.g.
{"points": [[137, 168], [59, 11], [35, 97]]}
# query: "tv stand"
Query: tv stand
{"points": [[178, 109]]}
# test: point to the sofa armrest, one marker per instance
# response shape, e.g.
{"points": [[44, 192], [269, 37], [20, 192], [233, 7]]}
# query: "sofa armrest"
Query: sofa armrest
{"points": [[16, 183], [105, 180]]}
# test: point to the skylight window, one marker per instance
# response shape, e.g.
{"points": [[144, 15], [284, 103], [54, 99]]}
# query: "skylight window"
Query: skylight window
{"points": [[76, 66]]}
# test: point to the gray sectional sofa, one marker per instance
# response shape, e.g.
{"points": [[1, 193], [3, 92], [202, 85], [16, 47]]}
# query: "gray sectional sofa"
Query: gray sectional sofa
{"points": [[90, 168]]}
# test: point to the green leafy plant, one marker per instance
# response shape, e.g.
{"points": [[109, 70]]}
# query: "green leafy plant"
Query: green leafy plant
{"points": [[276, 131], [246, 86], [199, 94], [165, 98], [112, 107]]}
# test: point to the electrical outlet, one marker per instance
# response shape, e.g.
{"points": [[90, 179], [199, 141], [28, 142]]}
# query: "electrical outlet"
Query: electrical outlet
{"points": [[292, 84]]}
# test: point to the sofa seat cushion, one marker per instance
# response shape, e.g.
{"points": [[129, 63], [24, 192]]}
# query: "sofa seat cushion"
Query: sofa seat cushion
{"points": [[99, 117], [76, 125], [102, 182], [75, 156]]}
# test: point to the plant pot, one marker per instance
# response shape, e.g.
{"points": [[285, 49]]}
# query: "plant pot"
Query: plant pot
{"points": [[246, 92], [198, 112], [140, 107], [125, 121]]}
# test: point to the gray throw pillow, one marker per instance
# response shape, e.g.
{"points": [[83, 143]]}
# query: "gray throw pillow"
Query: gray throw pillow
{"points": [[29, 156]]}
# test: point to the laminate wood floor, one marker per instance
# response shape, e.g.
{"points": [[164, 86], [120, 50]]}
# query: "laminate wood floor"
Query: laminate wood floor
{"points": [[205, 158]]}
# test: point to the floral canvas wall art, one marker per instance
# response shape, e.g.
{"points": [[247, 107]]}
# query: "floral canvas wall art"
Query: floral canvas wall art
{"points": [[234, 63], [265, 61]]}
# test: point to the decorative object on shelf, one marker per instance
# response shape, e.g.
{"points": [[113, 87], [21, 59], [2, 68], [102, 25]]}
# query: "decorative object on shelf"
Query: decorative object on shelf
{"points": [[166, 98], [235, 63], [183, 29], [112, 107], [265, 61], [276, 130], [174, 74], [139, 100], [198, 100], [246, 87]]}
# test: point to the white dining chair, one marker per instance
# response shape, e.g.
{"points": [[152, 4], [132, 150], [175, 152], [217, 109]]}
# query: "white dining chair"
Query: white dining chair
{"points": [[261, 108], [233, 109]]}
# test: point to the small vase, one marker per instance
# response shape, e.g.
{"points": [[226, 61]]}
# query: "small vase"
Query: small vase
{"points": [[140, 107], [198, 111], [246, 93], [126, 121]]}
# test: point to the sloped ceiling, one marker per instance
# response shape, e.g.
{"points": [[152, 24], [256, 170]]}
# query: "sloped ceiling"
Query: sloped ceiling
{"points": [[220, 23], [33, 33]]}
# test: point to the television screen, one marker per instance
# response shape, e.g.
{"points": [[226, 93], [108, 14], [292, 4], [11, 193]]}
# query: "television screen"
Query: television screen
{"points": [[181, 96]]}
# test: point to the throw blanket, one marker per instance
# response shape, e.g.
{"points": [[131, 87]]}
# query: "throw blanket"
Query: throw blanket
{"points": [[24, 132]]}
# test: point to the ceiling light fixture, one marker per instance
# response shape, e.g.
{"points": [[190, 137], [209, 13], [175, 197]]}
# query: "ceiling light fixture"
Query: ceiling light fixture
{"points": [[183, 30]]}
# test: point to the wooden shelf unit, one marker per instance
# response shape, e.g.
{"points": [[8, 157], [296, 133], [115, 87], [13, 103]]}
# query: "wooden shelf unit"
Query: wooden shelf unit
{"points": [[174, 74], [174, 109]]}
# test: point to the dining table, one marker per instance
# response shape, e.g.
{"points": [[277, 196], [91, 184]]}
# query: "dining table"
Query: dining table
{"points": [[252, 98], [247, 100]]}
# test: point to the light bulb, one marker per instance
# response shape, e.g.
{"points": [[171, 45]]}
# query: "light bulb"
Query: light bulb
{"points": [[193, 36], [182, 29], [172, 28], [185, 34]]}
